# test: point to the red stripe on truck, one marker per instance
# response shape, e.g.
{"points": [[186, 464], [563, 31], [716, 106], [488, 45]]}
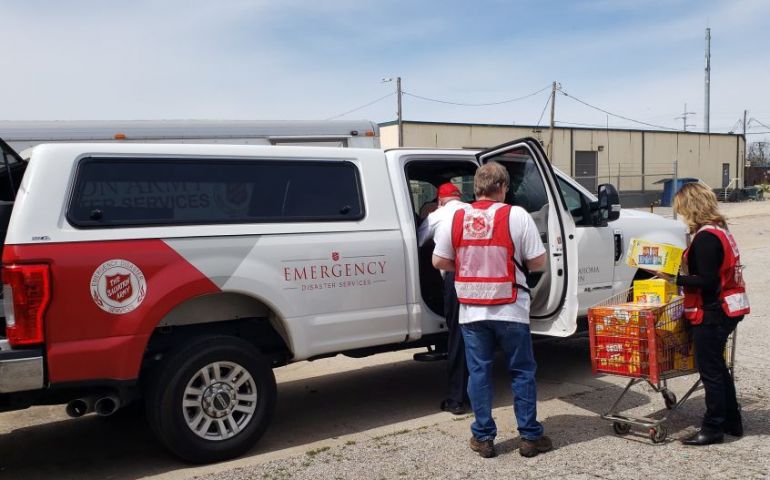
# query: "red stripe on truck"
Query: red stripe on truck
{"points": [[102, 334]]}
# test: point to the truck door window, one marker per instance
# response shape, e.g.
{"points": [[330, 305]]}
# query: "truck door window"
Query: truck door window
{"points": [[526, 189], [576, 202], [424, 178]]}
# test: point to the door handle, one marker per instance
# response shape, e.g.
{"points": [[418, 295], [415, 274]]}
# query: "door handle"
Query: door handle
{"points": [[618, 242]]}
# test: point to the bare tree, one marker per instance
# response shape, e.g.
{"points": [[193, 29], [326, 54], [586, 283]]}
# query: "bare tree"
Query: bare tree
{"points": [[759, 154]]}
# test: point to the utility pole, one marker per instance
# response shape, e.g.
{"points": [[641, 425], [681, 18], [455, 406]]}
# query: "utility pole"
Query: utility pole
{"points": [[549, 151], [707, 101], [684, 118], [676, 177], [745, 143], [400, 116]]}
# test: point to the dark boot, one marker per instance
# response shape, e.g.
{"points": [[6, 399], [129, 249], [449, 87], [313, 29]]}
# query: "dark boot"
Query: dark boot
{"points": [[530, 448], [453, 407], [484, 448], [734, 425], [704, 437]]}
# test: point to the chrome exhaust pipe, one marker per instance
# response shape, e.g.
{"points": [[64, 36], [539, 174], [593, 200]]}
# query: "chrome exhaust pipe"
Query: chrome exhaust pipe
{"points": [[79, 407], [106, 406]]}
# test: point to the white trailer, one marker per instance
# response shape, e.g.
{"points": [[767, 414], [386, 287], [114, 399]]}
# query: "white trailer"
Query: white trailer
{"points": [[21, 135]]}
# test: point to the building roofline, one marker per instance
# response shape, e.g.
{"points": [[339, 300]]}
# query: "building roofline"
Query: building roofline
{"points": [[546, 127]]}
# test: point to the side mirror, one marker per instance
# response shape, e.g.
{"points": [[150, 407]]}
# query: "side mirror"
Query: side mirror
{"points": [[609, 202]]}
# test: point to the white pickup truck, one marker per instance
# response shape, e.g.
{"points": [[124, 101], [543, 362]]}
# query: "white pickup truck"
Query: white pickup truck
{"points": [[182, 274]]}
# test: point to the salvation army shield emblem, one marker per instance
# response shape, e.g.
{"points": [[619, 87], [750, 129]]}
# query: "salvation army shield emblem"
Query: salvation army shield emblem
{"points": [[236, 193], [118, 287], [477, 225], [233, 198]]}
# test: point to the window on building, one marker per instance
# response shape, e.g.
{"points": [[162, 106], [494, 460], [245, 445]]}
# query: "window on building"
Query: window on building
{"points": [[141, 191]]}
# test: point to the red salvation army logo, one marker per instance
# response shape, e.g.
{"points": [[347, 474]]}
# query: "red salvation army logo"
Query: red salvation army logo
{"points": [[477, 225], [118, 286], [335, 256]]}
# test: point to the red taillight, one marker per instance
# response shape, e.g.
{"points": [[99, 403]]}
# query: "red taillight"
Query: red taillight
{"points": [[26, 294]]}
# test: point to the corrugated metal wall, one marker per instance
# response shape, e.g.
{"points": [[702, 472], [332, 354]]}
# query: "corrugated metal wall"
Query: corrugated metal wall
{"points": [[633, 160]]}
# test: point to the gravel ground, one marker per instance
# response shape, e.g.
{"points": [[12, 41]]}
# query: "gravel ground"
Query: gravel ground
{"points": [[584, 444], [378, 417]]}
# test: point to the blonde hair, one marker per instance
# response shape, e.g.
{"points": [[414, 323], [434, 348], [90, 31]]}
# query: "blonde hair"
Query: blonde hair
{"points": [[490, 178], [698, 206]]}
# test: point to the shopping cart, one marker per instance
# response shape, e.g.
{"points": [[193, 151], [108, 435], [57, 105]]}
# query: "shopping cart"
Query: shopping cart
{"points": [[646, 343]]}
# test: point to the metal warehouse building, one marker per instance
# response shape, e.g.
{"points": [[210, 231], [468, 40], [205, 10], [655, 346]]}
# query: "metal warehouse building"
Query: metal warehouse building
{"points": [[635, 161]]}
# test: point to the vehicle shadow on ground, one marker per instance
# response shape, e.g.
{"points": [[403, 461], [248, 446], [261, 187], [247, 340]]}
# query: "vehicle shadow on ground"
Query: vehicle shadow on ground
{"points": [[309, 410]]}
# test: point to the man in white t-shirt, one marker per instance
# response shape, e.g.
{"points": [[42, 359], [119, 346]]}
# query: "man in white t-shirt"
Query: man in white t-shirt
{"points": [[490, 245], [448, 203], [457, 373]]}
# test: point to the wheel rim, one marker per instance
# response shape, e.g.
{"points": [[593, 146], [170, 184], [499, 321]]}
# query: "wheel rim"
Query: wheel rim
{"points": [[219, 401]]}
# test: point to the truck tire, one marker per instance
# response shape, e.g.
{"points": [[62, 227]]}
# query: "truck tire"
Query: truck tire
{"points": [[212, 399]]}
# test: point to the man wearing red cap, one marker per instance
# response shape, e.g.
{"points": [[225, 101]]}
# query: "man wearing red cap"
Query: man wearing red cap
{"points": [[448, 203]]}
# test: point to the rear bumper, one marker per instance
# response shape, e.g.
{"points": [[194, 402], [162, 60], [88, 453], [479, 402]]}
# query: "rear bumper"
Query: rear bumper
{"points": [[20, 370]]}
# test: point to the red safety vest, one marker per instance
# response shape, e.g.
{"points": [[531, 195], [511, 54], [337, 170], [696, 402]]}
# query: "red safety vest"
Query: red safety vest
{"points": [[732, 290], [485, 273]]}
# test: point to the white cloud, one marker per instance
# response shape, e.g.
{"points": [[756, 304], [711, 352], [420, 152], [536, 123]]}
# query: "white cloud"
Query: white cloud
{"points": [[252, 59]]}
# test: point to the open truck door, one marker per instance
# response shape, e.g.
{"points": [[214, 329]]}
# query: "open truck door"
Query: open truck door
{"points": [[554, 305], [12, 168]]}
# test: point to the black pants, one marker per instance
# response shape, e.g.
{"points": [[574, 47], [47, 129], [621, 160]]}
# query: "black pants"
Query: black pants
{"points": [[721, 404], [456, 368]]}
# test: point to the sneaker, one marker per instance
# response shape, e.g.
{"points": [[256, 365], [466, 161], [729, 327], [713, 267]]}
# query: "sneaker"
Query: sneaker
{"points": [[484, 448], [452, 407], [530, 448]]}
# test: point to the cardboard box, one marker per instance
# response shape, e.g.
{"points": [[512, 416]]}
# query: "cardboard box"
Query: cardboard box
{"points": [[654, 291], [620, 355], [676, 351], [624, 319], [621, 344], [659, 257], [684, 362]]}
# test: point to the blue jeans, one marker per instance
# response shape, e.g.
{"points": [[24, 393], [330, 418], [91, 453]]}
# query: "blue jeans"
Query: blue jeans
{"points": [[515, 341]]}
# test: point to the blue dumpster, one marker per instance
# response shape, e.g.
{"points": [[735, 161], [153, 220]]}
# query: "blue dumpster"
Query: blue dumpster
{"points": [[668, 190]]}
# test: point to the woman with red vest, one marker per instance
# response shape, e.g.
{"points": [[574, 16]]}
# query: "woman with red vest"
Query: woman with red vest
{"points": [[715, 301]]}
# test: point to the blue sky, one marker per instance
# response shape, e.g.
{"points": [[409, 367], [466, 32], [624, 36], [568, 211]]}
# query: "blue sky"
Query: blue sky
{"points": [[315, 59]]}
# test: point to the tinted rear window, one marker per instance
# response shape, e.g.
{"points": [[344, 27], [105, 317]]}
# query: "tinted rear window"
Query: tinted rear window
{"points": [[131, 192]]}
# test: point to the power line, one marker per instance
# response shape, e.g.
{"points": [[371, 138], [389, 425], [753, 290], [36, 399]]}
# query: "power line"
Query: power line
{"points": [[684, 116], [362, 106], [615, 114], [460, 104], [596, 125], [755, 120], [544, 109], [736, 125]]}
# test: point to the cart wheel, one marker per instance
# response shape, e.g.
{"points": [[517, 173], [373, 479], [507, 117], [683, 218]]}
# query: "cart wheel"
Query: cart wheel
{"points": [[669, 398], [621, 428], [658, 434]]}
